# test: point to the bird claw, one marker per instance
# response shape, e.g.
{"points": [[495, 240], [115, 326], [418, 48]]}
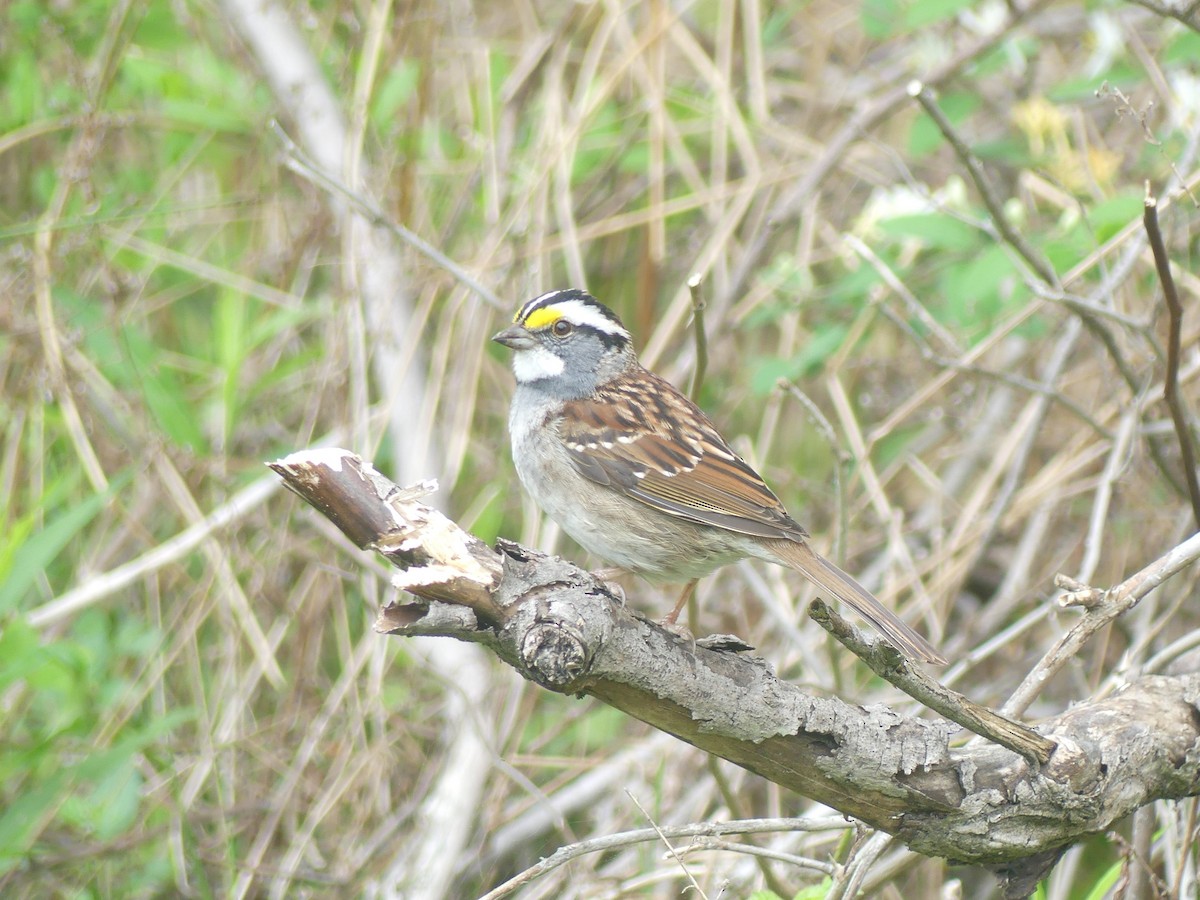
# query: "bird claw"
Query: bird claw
{"points": [[607, 577]]}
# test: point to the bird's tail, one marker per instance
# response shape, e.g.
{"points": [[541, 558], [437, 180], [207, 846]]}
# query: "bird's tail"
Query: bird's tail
{"points": [[823, 573]]}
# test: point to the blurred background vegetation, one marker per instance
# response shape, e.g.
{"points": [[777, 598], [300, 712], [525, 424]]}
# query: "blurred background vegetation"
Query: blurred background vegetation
{"points": [[193, 701]]}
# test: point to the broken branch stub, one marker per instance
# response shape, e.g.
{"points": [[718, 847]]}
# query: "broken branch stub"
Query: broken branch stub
{"points": [[434, 558]]}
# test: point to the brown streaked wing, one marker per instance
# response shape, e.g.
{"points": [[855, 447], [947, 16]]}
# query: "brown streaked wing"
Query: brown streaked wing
{"points": [[675, 461]]}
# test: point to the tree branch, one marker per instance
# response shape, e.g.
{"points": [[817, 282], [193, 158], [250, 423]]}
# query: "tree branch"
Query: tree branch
{"points": [[1162, 265], [560, 627], [888, 663]]}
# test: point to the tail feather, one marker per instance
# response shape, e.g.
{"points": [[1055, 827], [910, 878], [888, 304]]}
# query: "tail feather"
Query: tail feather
{"points": [[825, 574]]}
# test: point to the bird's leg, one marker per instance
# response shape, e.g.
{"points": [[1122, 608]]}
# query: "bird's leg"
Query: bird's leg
{"points": [[688, 590], [610, 573]]}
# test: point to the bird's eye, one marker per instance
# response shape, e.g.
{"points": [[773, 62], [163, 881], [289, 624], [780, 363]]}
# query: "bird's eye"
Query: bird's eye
{"points": [[562, 328]]}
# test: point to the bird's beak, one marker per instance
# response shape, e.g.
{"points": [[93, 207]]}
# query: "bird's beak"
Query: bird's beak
{"points": [[515, 337]]}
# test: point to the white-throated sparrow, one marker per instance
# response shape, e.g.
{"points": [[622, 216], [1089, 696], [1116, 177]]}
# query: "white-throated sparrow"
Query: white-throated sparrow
{"points": [[637, 474]]}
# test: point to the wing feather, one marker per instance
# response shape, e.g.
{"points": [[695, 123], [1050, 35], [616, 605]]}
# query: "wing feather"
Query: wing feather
{"points": [[675, 461]]}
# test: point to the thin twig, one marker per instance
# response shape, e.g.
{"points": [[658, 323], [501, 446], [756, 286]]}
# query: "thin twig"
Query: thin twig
{"points": [[566, 853], [734, 804], [1099, 523], [1024, 384], [865, 118], [105, 584], [761, 854], [671, 851], [915, 307], [1117, 600], [299, 162], [1171, 379], [888, 663], [974, 167], [118, 33], [1187, 13], [863, 855], [1123, 106], [695, 287], [840, 460]]}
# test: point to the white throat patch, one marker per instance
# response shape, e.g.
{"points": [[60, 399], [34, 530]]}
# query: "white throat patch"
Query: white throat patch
{"points": [[536, 364]]}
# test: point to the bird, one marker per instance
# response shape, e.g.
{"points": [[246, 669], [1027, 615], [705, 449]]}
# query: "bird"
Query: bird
{"points": [[638, 475]]}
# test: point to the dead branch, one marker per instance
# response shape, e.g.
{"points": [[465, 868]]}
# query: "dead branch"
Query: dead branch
{"points": [[1162, 265], [887, 662], [560, 627]]}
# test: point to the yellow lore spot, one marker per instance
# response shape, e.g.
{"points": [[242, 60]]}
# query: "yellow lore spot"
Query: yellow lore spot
{"points": [[541, 318]]}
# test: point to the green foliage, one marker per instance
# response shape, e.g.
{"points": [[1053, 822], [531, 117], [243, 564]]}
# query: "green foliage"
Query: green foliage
{"points": [[977, 279], [923, 13], [27, 553], [924, 136], [812, 892], [57, 778], [1104, 883], [822, 344], [937, 231], [1183, 49], [1083, 88], [595, 729], [397, 89], [815, 891], [1111, 215], [892, 18]]}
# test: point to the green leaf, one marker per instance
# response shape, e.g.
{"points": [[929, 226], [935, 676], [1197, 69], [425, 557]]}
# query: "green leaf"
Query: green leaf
{"points": [[1068, 249], [25, 814], [25, 19], [22, 97], [1111, 215], [1006, 149], [159, 29], [163, 393], [102, 763], [1083, 88], [229, 322], [20, 651], [1105, 882], [937, 231], [853, 287], [230, 333], [815, 891], [118, 800], [929, 12], [1184, 50], [40, 549], [980, 289], [924, 136], [880, 18], [110, 807], [635, 158], [823, 344], [397, 88]]}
